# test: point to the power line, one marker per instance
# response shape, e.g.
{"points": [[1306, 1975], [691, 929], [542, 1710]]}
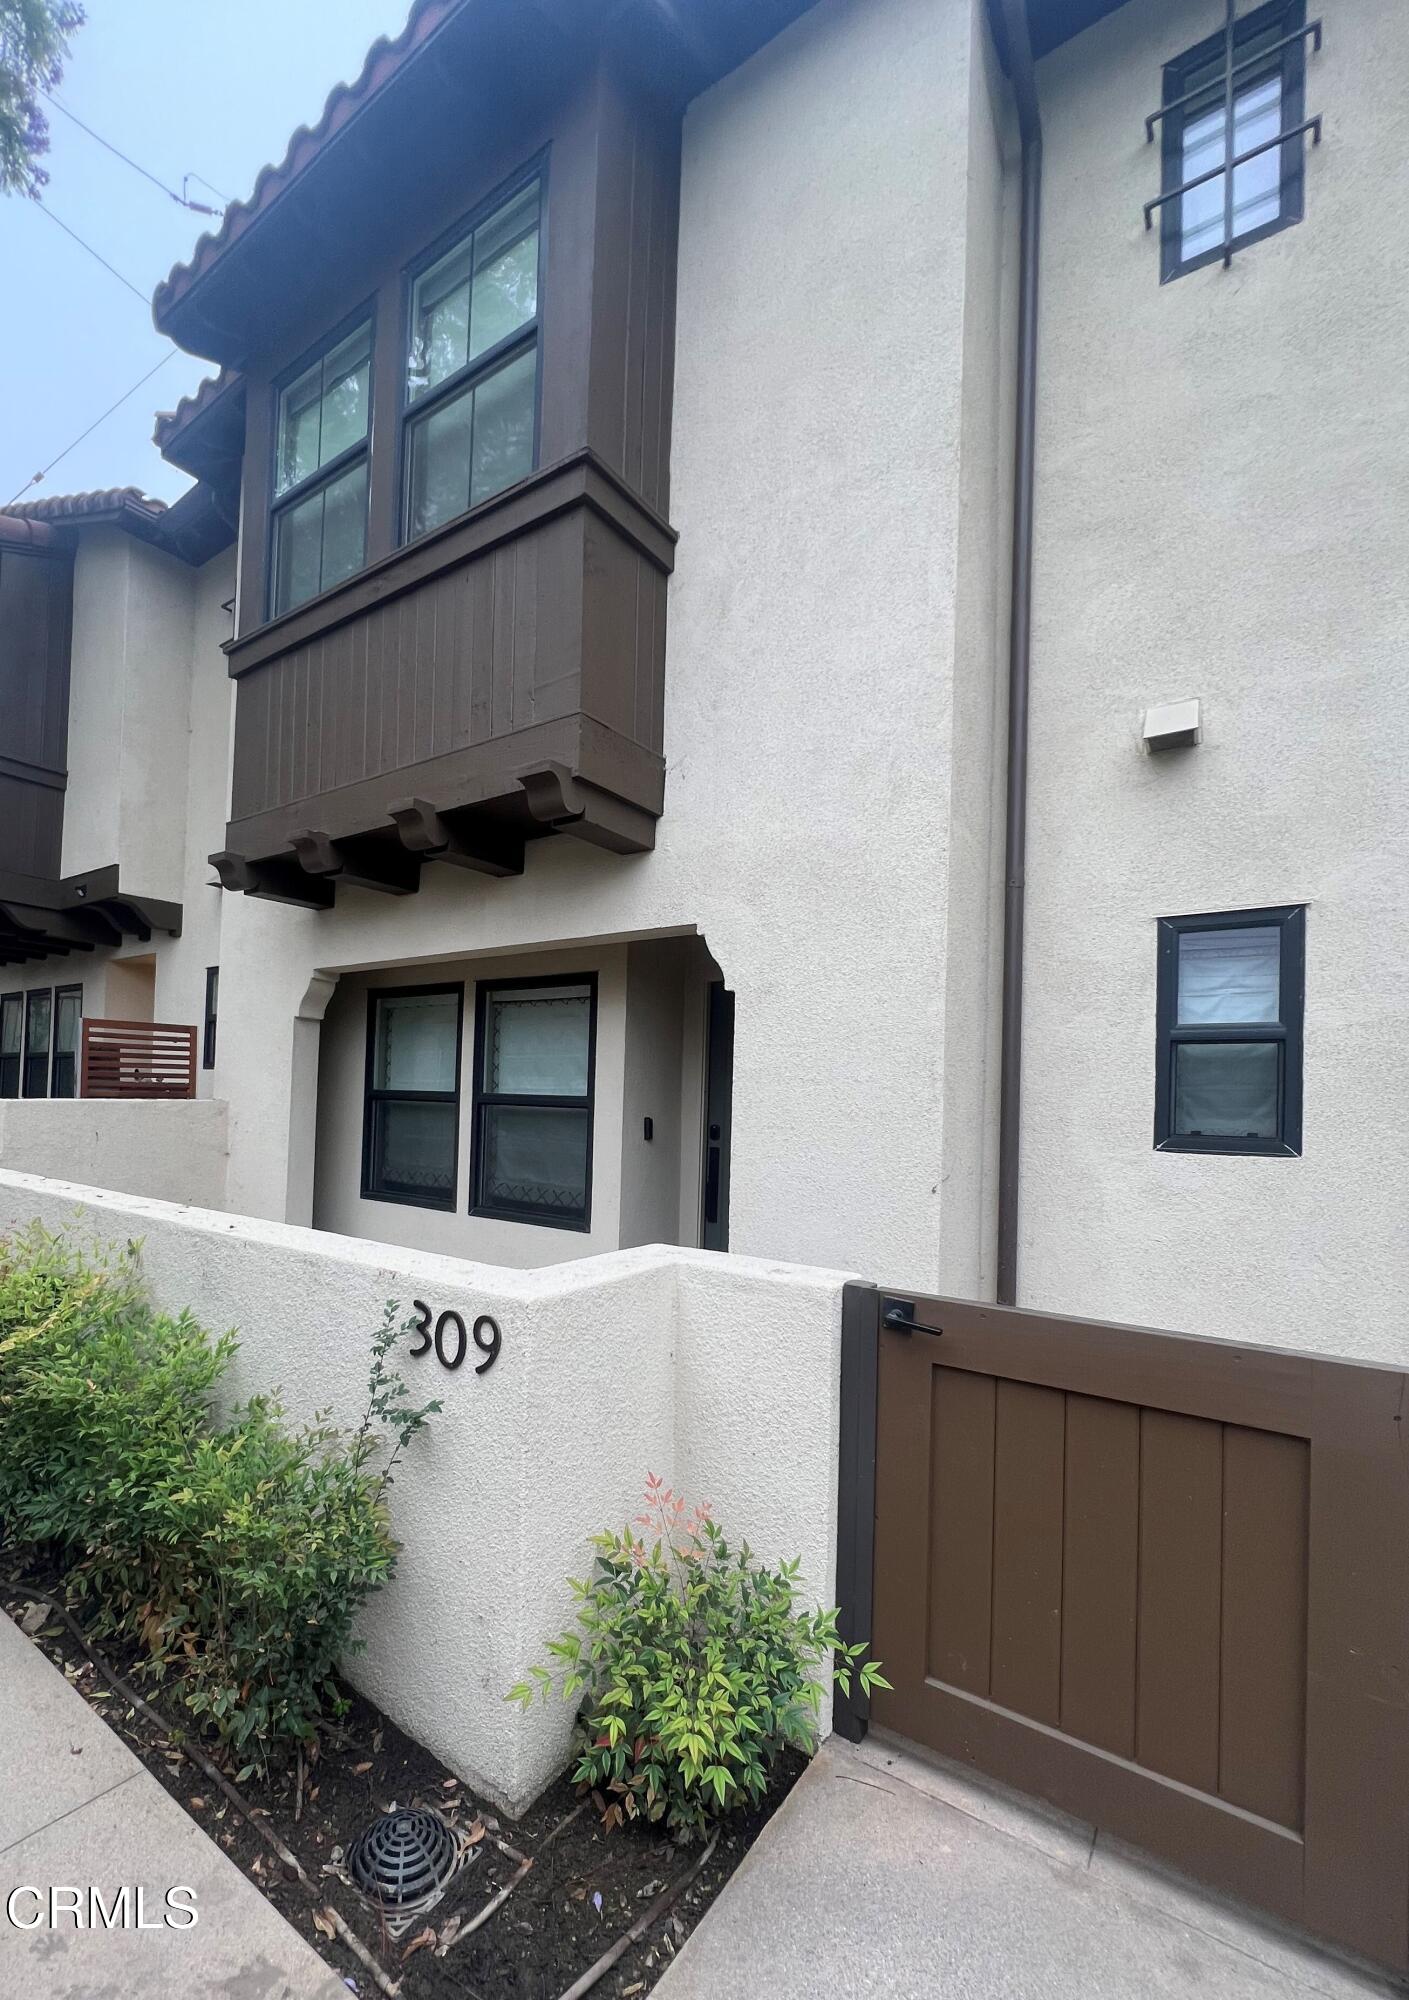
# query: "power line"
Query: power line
{"points": [[199, 207], [35, 478], [112, 268]]}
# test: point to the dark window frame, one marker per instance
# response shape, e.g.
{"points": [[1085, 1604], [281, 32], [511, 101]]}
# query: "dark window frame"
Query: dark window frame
{"points": [[209, 1016], [15, 998], [1285, 18], [32, 994], [372, 1097], [410, 412], [482, 1100], [58, 1055], [1287, 1031], [277, 504]]}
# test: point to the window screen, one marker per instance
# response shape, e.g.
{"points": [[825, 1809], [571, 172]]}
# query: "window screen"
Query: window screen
{"points": [[1229, 1022], [533, 1101], [412, 1111]]}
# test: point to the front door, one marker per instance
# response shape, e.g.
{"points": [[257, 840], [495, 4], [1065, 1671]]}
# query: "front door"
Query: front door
{"points": [[719, 1107]]}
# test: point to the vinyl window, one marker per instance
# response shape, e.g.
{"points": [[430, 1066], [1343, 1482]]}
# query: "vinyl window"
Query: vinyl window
{"points": [[11, 1042], [322, 426], [1230, 99], [472, 364], [1229, 1032], [535, 1054], [412, 1110], [212, 1008], [38, 1039], [68, 1031]]}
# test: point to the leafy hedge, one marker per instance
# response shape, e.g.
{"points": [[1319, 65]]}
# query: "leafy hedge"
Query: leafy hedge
{"points": [[239, 1551], [694, 1666]]}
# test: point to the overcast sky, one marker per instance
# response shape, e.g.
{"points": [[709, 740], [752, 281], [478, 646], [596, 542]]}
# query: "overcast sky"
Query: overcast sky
{"points": [[209, 87]]}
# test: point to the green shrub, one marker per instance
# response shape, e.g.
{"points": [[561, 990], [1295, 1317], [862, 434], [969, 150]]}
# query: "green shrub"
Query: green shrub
{"points": [[695, 1666], [240, 1551]]}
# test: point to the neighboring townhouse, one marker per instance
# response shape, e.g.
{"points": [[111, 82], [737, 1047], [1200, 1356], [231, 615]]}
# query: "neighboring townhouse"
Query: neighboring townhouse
{"points": [[626, 414], [114, 734]]}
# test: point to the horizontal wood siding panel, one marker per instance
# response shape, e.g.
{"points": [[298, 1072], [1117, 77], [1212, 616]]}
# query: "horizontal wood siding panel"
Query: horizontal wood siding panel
{"points": [[137, 1059]]}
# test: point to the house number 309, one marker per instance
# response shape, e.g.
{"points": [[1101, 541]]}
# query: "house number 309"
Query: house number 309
{"points": [[448, 1337]]}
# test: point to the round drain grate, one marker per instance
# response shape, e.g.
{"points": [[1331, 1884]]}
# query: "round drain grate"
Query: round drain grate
{"points": [[403, 1856]]}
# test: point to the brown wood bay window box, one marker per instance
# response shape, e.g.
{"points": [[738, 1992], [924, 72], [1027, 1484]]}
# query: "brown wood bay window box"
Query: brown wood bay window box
{"points": [[499, 679]]}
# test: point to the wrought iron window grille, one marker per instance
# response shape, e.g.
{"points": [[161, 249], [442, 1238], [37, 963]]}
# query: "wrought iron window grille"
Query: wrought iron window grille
{"points": [[1210, 95]]}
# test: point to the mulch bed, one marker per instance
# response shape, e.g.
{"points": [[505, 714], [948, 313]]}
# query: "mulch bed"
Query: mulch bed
{"points": [[587, 1890]]}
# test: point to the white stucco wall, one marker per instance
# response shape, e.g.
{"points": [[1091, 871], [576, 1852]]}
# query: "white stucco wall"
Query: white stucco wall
{"points": [[721, 1374], [1222, 495], [150, 705], [823, 449], [170, 1151], [129, 712], [182, 962]]}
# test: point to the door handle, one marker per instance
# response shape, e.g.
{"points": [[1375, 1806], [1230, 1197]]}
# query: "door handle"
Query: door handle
{"points": [[898, 1316]]}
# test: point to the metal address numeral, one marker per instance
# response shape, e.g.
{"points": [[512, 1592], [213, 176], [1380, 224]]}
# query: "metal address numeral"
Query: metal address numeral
{"points": [[448, 1337]]}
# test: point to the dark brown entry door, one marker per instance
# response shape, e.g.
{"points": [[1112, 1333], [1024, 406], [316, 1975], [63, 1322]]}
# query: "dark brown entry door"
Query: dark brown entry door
{"points": [[1163, 1583]]}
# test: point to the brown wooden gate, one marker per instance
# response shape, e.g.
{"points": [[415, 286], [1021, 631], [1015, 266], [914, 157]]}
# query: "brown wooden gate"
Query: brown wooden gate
{"points": [[1161, 1582]]}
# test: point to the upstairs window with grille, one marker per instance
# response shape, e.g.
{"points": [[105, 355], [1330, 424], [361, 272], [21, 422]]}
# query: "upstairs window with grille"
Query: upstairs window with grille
{"points": [[1229, 1021], [535, 1045], [1235, 101]]}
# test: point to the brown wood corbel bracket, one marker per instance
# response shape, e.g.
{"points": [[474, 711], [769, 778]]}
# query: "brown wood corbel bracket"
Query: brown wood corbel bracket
{"points": [[557, 797], [482, 846]]}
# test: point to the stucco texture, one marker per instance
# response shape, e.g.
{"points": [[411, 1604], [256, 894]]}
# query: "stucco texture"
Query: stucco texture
{"points": [[820, 442], [1221, 504], [172, 1151], [719, 1373]]}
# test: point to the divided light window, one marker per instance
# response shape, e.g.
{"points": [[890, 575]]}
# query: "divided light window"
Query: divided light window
{"points": [[472, 365], [319, 531], [535, 1050], [1229, 1024], [1230, 99], [412, 1109]]}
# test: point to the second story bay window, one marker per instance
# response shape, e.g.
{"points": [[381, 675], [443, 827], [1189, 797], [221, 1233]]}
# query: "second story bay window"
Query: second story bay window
{"points": [[472, 365], [320, 472], [455, 504]]}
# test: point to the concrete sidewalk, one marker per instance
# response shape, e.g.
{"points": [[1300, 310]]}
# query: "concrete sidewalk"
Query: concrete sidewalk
{"points": [[888, 1875], [79, 1810]]}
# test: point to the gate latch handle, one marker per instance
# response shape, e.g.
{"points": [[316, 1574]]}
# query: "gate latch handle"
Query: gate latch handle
{"points": [[898, 1316]]}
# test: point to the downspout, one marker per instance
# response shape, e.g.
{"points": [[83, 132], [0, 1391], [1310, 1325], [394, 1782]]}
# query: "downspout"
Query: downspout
{"points": [[1013, 14]]}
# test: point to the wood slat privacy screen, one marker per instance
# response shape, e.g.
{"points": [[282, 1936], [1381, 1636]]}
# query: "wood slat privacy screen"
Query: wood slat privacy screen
{"points": [[1162, 1582], [138, 1059]]}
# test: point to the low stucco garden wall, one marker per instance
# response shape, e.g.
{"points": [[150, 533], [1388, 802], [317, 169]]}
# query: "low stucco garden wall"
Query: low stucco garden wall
{"points": [[720, 1373], [173, 1149]]}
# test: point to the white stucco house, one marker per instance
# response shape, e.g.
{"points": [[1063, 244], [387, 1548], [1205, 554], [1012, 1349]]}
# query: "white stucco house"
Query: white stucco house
{"points": [[761, 658]]}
